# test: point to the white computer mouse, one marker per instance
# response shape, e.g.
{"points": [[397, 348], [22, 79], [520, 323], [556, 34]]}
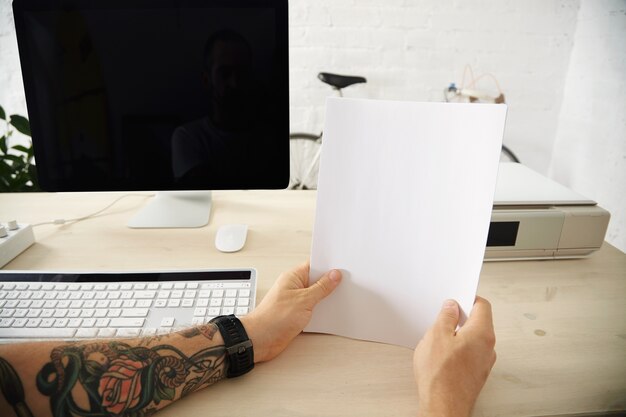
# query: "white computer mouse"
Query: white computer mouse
{"points": [[231, 237]]}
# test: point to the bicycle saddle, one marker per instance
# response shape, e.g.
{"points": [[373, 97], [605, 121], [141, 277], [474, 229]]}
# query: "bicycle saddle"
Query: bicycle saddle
{"points": [[340, 81]]}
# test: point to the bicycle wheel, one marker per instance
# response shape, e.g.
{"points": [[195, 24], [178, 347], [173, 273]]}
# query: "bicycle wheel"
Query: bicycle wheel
{"points": [[304, 149]]}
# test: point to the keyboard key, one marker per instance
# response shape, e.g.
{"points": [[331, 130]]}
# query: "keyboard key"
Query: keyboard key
{"points": [[187, 302], [143, 303], [107, 332], [24, 304], [167, 322], [218, 293], [231, 293], [153, 286], [216, 302], [115, 312], [47, 322], [213, 311], [60, 322], [134, 312], [179, 285], [50, 304], [192, 285], [243, 302], [160, 303], [229, 302], [103, 322], [73, 313], [60, 313], [33, 313], [241, 311], [228, 310], [89, 322], [6, 312], [129, 303], [127, 322], [100, 312], [145, 295], [139, 286], [164, 294], [87, 312], [173, 303], [126, 286], [76, 304], [203, 302], [33, 322], [128, 332], [19, 322], [199, 311], [37, 332], [74, 322], [6, 322], [204, 293], [86, 332], [20, 313], [47, 313]]}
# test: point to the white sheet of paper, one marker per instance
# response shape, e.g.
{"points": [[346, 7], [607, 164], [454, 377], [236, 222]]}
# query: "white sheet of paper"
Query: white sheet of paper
{"points": [[404, 201]]}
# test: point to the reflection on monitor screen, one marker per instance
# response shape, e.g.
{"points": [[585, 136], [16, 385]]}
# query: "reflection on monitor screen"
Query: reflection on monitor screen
{"points": [[143, 95]]}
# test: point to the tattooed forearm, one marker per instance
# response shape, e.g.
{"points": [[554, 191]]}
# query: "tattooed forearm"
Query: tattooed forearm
{"points": [[132, 378], [207, 330], [12, 389]]}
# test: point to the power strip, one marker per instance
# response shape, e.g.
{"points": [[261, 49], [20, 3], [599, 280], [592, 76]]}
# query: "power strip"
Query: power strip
{"points": [[15, 238]]}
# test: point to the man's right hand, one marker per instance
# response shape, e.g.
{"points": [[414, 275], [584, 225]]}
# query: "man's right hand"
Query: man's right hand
{"points": [[451, 366]]}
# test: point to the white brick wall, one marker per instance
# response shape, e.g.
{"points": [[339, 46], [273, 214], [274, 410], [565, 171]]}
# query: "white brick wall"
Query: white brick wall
{"points": [[412, 49], [590, 150]]}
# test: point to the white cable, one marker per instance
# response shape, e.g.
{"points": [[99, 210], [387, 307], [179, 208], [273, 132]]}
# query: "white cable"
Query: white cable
{"points": [[78, 219]]}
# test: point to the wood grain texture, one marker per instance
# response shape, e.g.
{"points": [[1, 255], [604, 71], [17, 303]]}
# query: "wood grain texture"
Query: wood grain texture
{"points": [[560, 325]]}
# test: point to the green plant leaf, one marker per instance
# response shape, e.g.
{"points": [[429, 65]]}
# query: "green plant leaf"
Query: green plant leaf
{"points": [[14, 158], [3, 115], [20, 123], [20, 148], [3, 144]]}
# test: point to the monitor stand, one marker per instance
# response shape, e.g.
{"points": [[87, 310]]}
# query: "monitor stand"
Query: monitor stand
{"points": [[175, 209]]}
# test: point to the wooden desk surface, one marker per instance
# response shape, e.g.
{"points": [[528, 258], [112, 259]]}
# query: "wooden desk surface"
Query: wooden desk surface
{"points": [[560, 325]]}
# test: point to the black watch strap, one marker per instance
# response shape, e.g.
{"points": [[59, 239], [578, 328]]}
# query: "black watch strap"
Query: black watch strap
{"points": [[239, 350]]}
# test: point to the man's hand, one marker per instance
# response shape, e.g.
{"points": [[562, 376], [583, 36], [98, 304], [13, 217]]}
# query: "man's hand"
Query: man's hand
{"points": [[452, 367], [286, 310]]}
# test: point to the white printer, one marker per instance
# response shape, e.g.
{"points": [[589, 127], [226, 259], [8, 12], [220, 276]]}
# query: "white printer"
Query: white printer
{"points": [[534, 217]]}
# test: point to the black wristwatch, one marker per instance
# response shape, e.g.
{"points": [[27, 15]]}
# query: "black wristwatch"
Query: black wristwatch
{"points": [[239, 350]]}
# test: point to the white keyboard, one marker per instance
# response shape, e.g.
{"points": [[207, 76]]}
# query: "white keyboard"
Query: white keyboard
{"points": [[34, 306]]}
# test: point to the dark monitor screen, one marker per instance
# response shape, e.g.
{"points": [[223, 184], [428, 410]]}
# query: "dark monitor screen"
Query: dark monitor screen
{"points": [[156, 95]]}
